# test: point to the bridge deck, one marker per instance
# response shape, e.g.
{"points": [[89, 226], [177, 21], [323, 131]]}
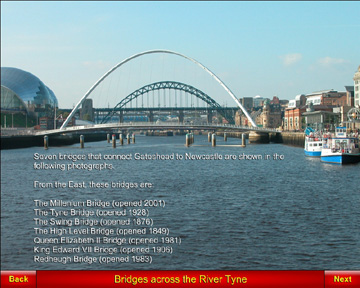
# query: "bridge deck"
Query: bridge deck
{"points": [[155, 126]]}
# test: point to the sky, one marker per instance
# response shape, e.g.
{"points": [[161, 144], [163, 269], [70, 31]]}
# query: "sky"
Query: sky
{"points": [[256, 48]]}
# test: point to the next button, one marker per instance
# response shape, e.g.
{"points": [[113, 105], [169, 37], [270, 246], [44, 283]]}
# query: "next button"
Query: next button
{"points": [[342, 279]]}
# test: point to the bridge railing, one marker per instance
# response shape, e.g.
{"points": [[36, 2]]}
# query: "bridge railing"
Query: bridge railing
{"points": [[172, 124]]}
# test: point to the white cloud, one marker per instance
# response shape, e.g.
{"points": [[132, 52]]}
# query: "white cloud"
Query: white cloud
{"points": [[328, 61], [290, 59]]}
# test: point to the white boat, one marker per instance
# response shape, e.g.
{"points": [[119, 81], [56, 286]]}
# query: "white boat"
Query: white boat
{"points": [[313, 142], [340, 148]]}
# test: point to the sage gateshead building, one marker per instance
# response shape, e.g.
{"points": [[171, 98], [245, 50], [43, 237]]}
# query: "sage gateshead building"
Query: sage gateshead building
{"points": [[23, 92]]}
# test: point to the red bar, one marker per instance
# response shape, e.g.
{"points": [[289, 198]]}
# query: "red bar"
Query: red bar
{"points": [[342, 279], [204, 278], [19, 279]]}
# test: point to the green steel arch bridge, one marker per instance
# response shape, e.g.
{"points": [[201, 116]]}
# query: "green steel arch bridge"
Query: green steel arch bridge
{"points": [[211, 104]]}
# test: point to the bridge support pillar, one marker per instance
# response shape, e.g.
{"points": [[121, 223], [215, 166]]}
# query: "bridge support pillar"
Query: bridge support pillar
{"points": [[46, 142], [209, 116], [187, 140], [209, 137], [213, 140], [181, 116], [121, 139], [243, 140], [259, 137], [81, 141], [113, 140], [151, 116]]}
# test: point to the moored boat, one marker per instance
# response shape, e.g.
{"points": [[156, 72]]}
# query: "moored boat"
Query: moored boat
{"points": [[341, 148], [313, 142]]}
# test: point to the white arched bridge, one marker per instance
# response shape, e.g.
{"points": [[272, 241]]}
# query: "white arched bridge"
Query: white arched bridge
{"points": [[162, 85]]}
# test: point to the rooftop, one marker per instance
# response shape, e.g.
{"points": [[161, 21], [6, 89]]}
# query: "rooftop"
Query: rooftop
{"points": [[321, 92], [349, 88]]}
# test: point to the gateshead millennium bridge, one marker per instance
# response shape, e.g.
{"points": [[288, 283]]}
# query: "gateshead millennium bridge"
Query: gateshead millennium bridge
{"points": [[175, 85]]}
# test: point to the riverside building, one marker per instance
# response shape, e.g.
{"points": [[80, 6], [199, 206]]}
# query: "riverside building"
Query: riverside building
{"points": [[357, 88]]}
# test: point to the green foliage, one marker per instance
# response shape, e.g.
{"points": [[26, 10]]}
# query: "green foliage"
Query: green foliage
{"points": [[87, 117]]}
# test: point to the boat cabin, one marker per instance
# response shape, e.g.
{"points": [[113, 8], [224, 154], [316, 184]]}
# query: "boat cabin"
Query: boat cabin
{"points": [[340, 132]]}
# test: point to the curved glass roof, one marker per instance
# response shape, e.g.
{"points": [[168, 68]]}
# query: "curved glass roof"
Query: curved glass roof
{"points": [[29, 87], [10, 101]]}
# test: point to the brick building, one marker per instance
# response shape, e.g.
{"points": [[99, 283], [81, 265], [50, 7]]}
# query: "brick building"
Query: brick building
{"points": [[327, 97], [293, 119], [296, 119]]}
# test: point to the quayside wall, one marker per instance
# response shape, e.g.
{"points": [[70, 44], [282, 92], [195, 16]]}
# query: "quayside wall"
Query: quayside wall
{"points": [[289, 138]]}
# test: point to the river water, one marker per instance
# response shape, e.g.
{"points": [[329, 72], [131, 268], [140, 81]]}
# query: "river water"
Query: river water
{"points": [[289, 213]]}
